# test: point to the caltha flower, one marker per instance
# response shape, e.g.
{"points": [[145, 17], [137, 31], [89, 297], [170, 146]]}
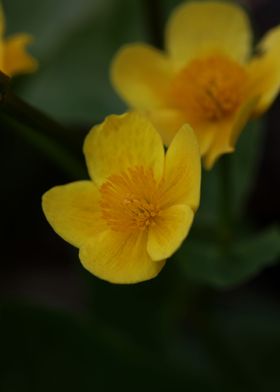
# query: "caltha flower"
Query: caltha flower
{"points": [[13, 56], [207, 76], [139, 204]]}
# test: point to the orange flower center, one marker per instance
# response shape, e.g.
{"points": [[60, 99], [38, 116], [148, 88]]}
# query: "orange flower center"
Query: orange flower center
{"points": [[212, 88], [130, 200]]}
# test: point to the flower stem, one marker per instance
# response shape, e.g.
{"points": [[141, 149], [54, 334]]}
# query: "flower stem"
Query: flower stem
{"points": [[222, 357], [47, 146], [226, 218], [154, 22], [47, 135]]}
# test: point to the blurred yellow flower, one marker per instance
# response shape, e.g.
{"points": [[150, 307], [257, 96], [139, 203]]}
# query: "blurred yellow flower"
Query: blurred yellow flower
{"points": [[139, 205], [207, 77], [13, 56]]}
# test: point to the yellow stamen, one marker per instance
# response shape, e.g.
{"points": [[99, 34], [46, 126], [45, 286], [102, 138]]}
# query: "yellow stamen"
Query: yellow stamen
{"points": [[212, 87], [130, 200]]}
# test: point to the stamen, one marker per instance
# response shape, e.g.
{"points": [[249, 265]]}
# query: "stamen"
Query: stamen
{"points": [[212, 87], [130, 200]]}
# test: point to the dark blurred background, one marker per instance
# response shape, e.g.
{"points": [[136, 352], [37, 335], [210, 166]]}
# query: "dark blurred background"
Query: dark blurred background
{"points": [[60, 327]]}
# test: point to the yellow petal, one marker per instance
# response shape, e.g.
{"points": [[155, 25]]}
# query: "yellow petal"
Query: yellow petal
{"points": [[227, 133], [169, 231], [140, 74], [119, 258], [204, 129], [123, 142], [220, 144], [1, 55], [167, 122], [15, 57], [264, 70], [205, 134], [196, 28], [182, 170], [73, 211]]}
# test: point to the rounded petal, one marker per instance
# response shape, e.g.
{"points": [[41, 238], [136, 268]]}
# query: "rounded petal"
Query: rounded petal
{"points": [[182, 170], [119, 258], [73, 211], [227, 133], [196, 28], [15, 57], [169, 231], [122, 142], [264, 70], [140, 74]]}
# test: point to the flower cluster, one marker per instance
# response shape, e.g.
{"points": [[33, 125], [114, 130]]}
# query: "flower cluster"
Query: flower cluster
{"points": [[139, 205], [207, 77]]}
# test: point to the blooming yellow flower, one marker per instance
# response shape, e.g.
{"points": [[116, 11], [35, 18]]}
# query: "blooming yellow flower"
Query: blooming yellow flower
{"points": [[207, 77], [138, 206], [13, 56]]}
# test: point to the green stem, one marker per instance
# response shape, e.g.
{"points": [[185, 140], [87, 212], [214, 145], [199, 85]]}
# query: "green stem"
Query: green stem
{"points": [[31, 116], [47, 135], [49, 147], [221, 355], [154, 22], [226, 219]]}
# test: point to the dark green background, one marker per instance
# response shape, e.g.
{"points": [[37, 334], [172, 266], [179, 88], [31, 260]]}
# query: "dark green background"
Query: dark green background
{"points": [[211, 320]]}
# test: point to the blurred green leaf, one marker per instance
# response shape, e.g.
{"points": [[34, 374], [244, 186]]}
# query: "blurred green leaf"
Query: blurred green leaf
{"points": [[244, 164], [75, 43], [46, 350], [206, 262], [248, 331]]}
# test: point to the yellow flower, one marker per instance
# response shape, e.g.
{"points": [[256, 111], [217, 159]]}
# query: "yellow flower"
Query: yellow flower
{"points": [[139, 205], [207, 77], [13, 56]]}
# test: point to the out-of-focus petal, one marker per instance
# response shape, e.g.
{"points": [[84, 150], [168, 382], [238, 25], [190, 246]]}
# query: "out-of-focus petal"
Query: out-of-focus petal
{"points": [[228, 132], [264, 70], [140, 74], [16, 59], [198, 28]]}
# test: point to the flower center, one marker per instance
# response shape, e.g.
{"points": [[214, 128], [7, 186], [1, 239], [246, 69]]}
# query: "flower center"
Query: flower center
{"points": [[130, 200], [212, 88]]}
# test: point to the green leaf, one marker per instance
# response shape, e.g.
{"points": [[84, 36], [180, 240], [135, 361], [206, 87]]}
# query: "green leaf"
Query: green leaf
{"points": [[75, 43], [46, 350], [244, 164], [208, 263], [248, 331]]}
